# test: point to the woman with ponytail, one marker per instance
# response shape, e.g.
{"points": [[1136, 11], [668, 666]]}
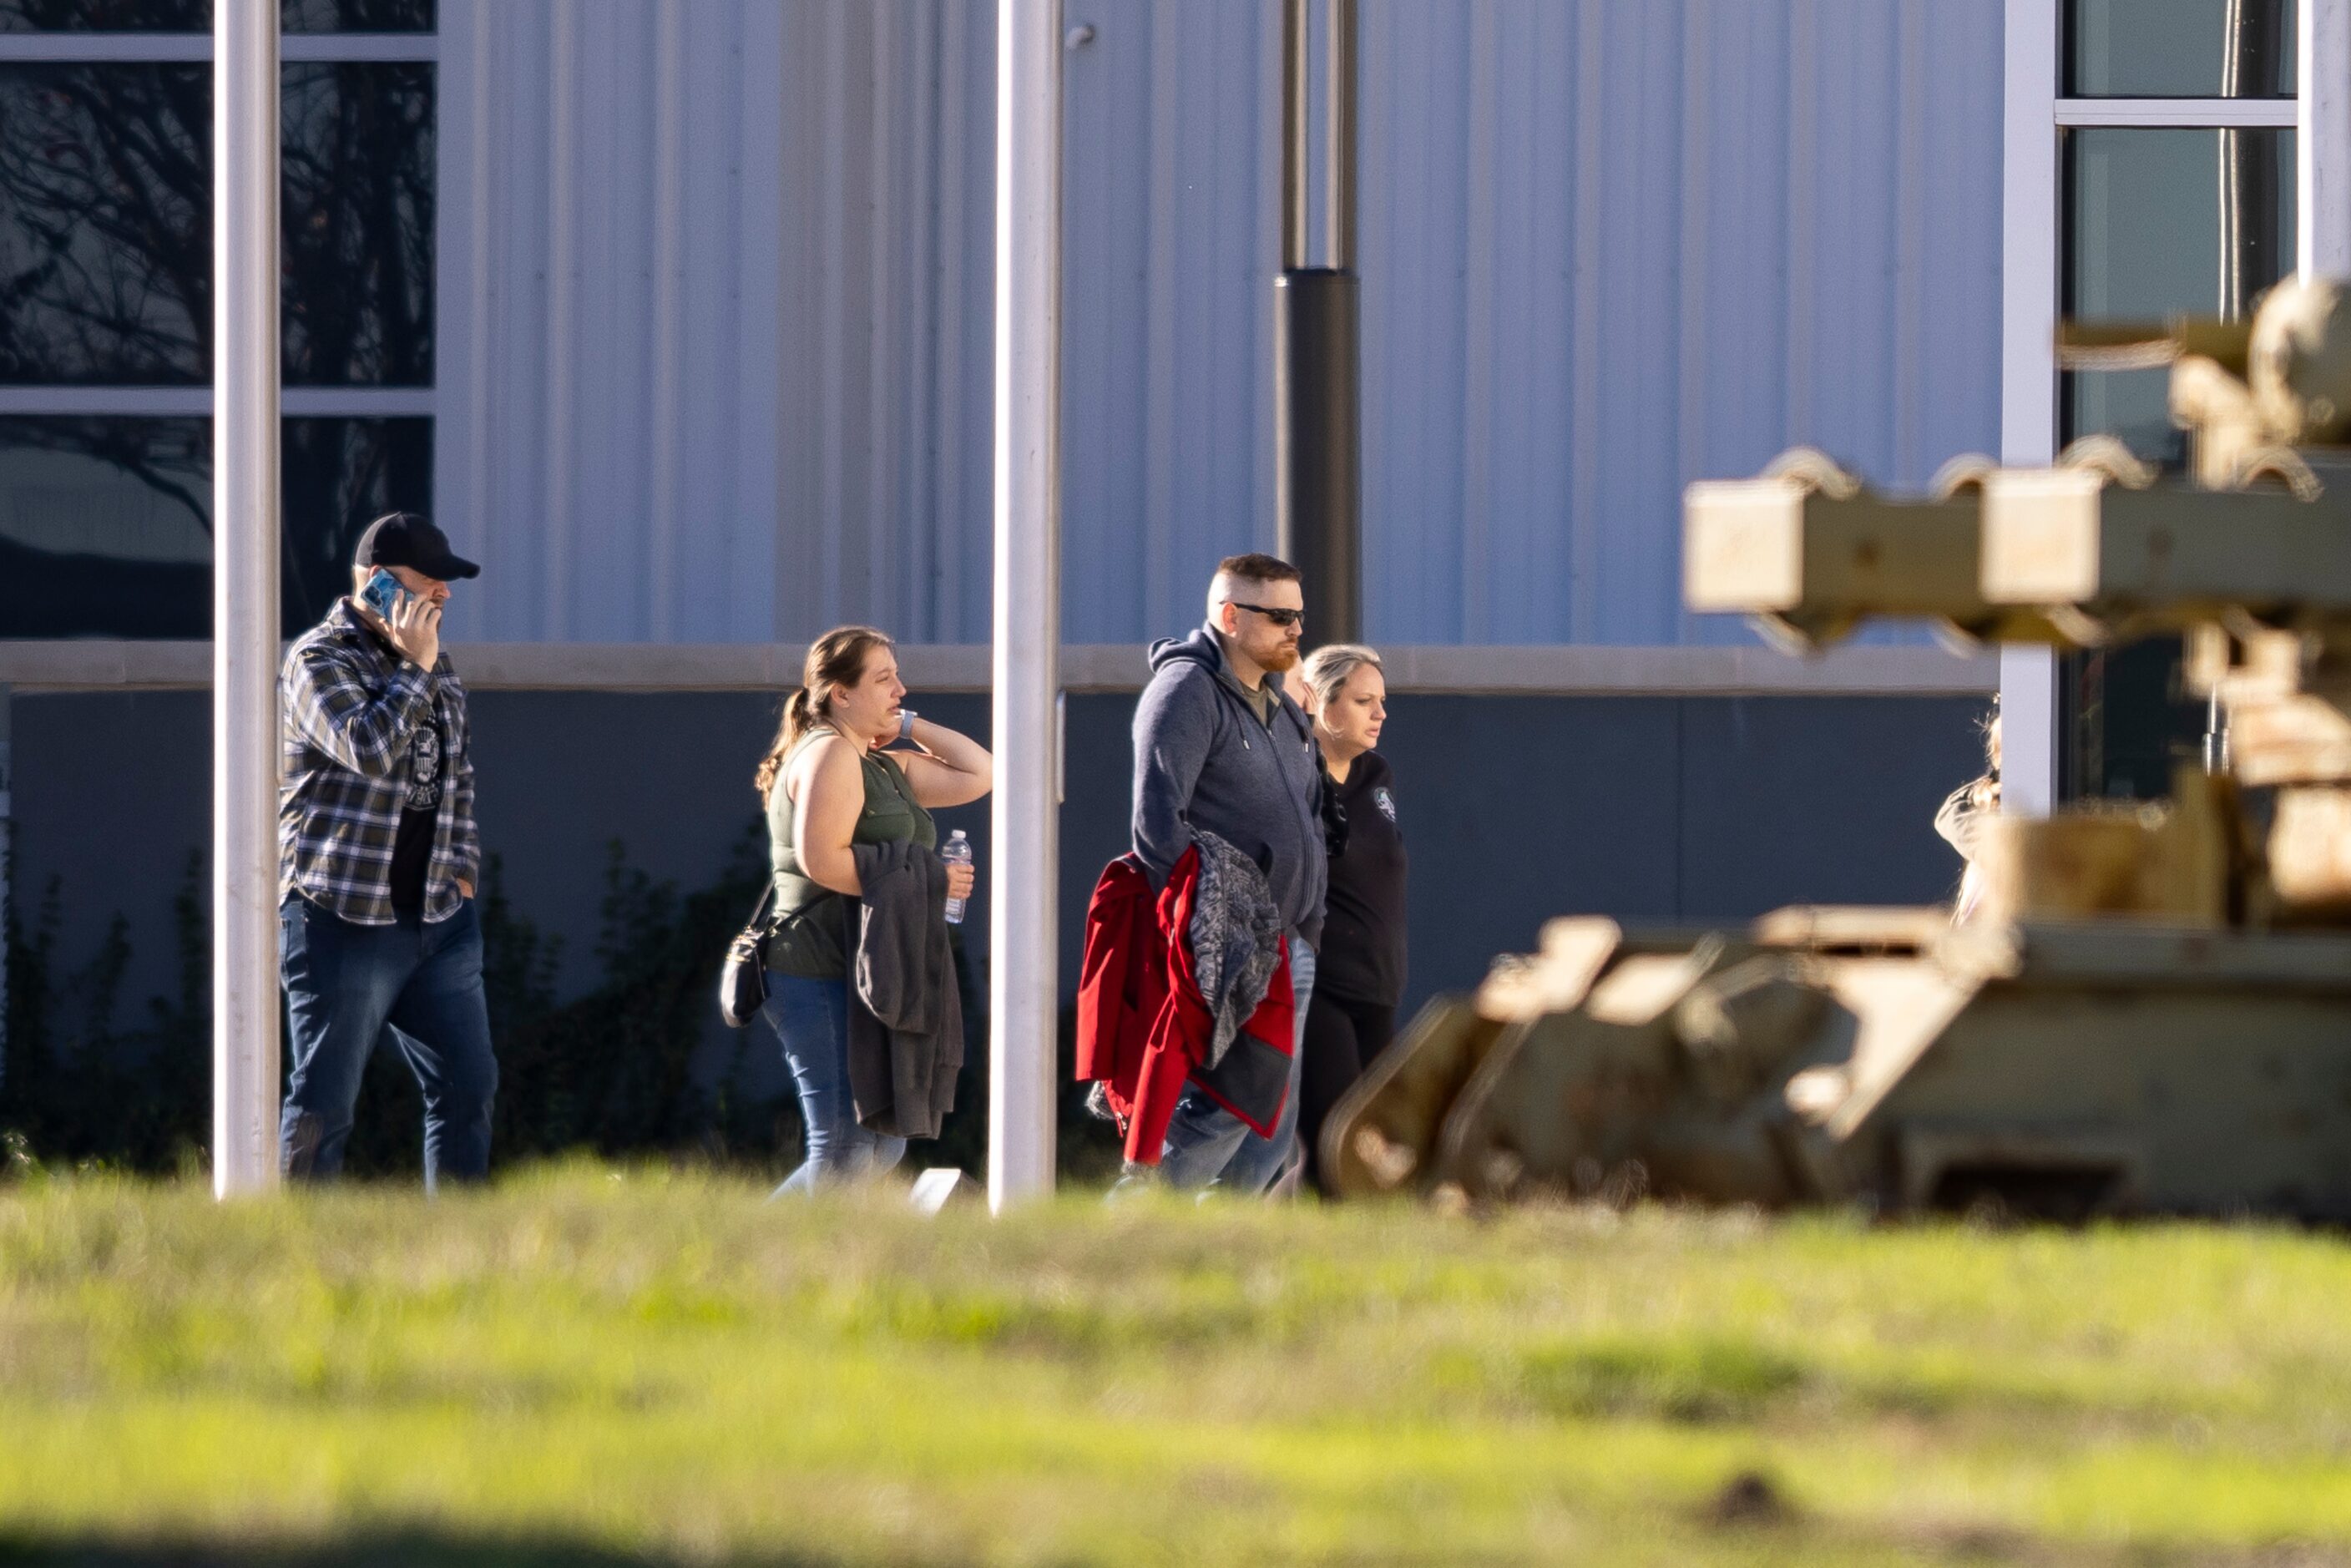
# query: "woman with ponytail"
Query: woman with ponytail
{"points": [[829, 784]]}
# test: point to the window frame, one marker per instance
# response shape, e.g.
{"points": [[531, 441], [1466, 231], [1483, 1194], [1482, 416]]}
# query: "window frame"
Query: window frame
{"points": [[183, 401], [2035, 118]]}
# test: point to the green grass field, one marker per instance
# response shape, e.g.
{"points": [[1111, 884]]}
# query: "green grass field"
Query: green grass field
{"points": [[597, 1367]]}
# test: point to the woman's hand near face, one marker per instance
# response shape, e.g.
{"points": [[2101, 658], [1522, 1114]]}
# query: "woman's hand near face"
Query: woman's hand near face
{"points": [[946, 769]]}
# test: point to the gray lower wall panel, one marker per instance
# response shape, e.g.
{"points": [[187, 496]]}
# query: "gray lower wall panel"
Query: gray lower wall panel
{"points": [[1516, 808], [1817, 801], [110, 813]]}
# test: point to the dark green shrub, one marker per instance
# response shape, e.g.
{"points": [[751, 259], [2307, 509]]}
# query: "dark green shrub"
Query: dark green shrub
{"points": [[608, 1073]]}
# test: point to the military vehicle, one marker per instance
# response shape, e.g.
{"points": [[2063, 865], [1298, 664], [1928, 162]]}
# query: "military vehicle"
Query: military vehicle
{"points": [[2150, 1009]]}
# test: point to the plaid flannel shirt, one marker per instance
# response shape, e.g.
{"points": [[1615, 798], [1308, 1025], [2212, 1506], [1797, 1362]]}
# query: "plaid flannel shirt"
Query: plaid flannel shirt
{"points": [[351, 709]]}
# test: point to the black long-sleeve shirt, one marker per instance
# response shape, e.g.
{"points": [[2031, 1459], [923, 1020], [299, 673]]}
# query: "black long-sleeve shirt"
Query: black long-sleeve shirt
{"points": [[1362, 957]]}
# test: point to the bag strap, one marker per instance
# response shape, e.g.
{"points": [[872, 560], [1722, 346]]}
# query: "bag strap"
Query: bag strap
{"points": [[760, 910]]}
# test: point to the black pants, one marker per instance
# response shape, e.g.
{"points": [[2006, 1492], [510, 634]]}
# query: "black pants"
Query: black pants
{"points": [[1343, 1035]]}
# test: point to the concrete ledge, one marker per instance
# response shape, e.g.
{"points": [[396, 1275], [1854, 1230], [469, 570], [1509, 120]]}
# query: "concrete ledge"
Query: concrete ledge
{"points": [[1581, 671], [1526, 671], [105, 666]]}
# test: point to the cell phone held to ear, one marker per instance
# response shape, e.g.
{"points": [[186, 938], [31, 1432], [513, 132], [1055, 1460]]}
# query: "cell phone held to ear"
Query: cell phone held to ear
{"points": [[381, 594]]}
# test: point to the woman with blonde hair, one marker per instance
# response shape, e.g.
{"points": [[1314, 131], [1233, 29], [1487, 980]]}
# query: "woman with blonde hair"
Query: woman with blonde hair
{"points": [[830, 784], [1961, 817], [1359, 969]]}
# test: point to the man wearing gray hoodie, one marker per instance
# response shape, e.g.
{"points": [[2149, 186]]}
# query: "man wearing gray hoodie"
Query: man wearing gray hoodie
{"points": [[1221, 749]]}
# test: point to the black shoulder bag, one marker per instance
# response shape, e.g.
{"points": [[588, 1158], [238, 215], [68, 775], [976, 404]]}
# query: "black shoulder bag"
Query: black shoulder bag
{"points": [[743, 978]]}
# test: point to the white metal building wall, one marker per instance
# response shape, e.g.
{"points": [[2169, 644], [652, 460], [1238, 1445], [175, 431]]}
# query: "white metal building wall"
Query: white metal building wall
{"points": [[1610, 248], [609, 293], [715, 295]]}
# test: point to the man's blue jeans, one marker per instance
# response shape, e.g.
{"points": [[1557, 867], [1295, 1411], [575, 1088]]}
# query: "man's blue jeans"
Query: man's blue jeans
{"points": [[811, 1017], [347, 986], [1208, 1145]]}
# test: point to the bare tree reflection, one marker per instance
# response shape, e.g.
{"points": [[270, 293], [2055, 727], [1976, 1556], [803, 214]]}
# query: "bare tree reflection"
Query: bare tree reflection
{"points": [[172, 458], [105, 250], [105, 242], [346, 471], [104, 16], [195, 15]]}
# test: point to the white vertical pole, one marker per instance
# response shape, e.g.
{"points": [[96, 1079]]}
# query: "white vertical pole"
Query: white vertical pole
{"points": [[245, 596], [1023, 941], [2323, 138], [2028, 391]]}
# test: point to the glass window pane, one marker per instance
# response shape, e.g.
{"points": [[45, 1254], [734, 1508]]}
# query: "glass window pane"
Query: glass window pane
{"points": [[105, 231], [2157, 222], [358, 225], [339, 474], [105, 527], [2127, 721], [105, 224], [2165, 223], [358, 15], [105, 524], [105, 15], [196, 15], [2180, 48], [2133, 404]]}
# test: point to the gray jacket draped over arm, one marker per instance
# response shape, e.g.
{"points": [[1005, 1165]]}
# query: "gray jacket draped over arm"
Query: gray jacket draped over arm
{"points": [[905, 1015]]}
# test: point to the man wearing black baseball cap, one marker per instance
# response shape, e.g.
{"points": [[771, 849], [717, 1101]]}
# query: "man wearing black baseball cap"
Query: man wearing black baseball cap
{"points": [[403, 538], [377, 855]]}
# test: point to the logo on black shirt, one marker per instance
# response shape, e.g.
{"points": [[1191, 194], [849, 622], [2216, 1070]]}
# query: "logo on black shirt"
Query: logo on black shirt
{"points": [[425, 777]]}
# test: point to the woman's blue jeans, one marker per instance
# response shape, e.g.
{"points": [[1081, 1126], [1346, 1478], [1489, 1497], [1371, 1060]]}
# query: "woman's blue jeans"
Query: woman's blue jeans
{"points": [[811, 1017]]}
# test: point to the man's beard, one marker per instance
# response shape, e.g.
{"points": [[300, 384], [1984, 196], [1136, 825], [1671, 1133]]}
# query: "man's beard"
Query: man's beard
{"points": [[1282, 659]]}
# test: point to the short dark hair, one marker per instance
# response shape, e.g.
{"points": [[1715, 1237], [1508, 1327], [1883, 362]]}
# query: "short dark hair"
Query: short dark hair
{"points": [[1255, 567]]}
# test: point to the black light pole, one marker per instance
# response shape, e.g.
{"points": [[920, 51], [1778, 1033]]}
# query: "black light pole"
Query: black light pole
{"points": [[1318, 506]]}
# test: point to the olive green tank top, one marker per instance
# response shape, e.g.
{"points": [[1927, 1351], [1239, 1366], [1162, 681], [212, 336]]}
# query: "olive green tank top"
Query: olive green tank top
{"points": [[805, 932]]}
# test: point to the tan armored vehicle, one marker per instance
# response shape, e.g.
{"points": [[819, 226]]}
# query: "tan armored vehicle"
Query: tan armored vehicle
{"points": [[2150, 1008]]}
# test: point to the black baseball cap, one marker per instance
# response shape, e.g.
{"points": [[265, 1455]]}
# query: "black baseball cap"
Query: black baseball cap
{"points": [[404, 538]]}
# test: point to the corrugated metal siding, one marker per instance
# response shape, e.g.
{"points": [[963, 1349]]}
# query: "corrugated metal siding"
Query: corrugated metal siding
{"points": [[608, 435], [1609, 248], [1171, 219], [888, 338], [716, 300]]}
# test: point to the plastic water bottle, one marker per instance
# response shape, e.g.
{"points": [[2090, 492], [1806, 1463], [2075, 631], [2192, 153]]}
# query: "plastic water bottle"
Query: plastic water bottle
{"points": [[956, 852]]}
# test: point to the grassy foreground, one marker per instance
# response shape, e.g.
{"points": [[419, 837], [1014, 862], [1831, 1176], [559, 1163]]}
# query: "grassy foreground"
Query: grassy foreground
{"points": [[585, 1367]]}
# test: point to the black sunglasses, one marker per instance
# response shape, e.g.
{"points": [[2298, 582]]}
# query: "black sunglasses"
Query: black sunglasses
{"points": [[1282, 618]]}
